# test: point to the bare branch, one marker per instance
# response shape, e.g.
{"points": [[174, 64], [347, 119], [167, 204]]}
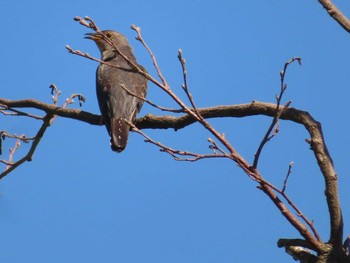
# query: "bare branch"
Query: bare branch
{"points": [[47, 121], [254, 108], [87, 55], [12, 152], [298, 249], [68, 101], [87, 22], [5, 162], [302, 229], [13, 112], [55, 92], [179, 155], [288, 174], [192, 114], [301, 215], [54, 110], [150, 102], [243, 164], [23, 138], [28, 157], [185, 86], [278, 113], [283, 242], [336, 14], [215, 147], [140, 38]]}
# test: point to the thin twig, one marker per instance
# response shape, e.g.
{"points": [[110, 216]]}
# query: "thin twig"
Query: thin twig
{"points": [[12, 152], [215, 147], [184, 85], [301, 215], [188, 156], [13, 112], [29, 155], [267, 135], [234, 154], [287, 176], [70, 100], [23, 138], [140, 38], [47, 121], [150, 102], [55, 92], [87, 22], [87, 55]]}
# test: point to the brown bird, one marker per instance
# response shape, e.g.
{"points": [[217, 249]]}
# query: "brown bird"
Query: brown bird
{"points": [[116, 104]]}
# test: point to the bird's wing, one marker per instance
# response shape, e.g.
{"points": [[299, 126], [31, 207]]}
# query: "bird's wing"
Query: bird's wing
{"points": [[116, 104]]}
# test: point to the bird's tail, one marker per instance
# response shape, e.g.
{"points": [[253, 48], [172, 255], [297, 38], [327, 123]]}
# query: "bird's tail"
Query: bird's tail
{"points": [[119, 134]]}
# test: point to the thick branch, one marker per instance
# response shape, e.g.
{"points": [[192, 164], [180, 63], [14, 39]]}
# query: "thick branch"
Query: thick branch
{"points": [[259, 108], [53, 109], [335, 13], [325, 163], [303, 230], [238, 111], [284, 242]]}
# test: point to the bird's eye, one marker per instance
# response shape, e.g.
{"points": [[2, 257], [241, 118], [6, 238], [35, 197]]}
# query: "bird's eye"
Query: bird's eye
{"points": [[109, 35]]}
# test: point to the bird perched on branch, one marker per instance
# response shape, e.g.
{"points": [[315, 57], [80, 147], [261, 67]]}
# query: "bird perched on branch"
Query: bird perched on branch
{"points": [[115, 84]]}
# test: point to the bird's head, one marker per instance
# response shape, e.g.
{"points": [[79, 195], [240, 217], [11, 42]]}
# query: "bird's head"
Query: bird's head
{"points": [[101, 40]]}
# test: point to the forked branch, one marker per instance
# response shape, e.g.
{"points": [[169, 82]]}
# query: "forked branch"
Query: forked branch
{"points": [[195, 115], [219, 146]]}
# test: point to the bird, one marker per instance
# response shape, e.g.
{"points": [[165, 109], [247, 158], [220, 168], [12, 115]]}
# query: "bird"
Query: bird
{"points": [[118, 106]]}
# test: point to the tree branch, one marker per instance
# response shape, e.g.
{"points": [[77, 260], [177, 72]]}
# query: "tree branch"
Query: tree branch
{"points": [[28, 157], [283, 242], [76, 114], [278, 113], [243, 110], [298, 249], [335, 13], [192, 114], [179, 155]]}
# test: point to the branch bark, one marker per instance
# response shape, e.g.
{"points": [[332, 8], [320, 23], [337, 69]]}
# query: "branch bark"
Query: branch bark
{"points": [[238, 111], [53, 109], [336, 14]]}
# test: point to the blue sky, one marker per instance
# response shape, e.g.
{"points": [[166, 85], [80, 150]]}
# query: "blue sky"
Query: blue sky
{"points": [[78, 201]]}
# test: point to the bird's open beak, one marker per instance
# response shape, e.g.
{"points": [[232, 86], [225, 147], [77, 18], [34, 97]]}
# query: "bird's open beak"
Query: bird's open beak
{"points": [[93, 36]]}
